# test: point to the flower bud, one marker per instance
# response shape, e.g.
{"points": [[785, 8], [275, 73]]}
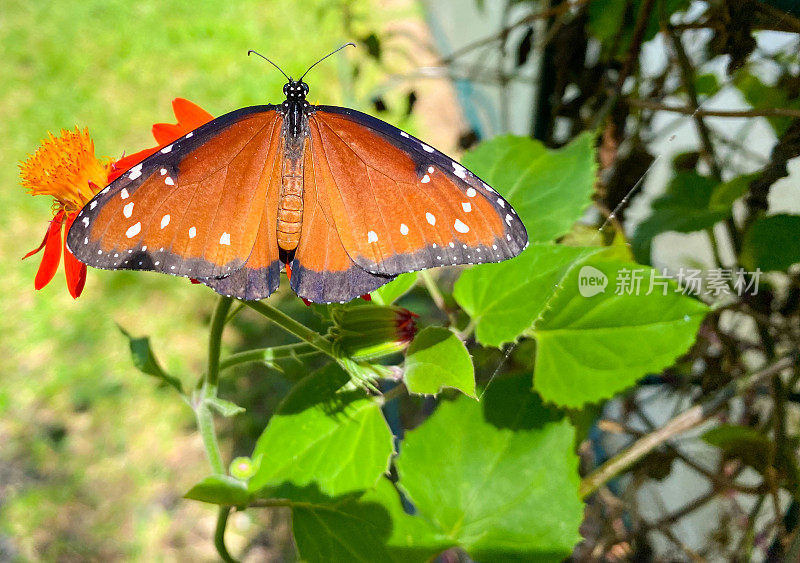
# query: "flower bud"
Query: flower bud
{"points": [[368, 332]]}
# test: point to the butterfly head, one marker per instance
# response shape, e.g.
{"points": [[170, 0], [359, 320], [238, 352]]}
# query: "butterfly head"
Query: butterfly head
{"points": [[295, 90]]}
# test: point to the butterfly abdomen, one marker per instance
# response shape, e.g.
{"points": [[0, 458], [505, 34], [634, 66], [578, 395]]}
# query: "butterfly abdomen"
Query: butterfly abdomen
{"points": [[290, 204]]}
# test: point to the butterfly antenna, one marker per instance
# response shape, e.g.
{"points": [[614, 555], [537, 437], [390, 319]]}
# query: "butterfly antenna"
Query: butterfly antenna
{"points": [[326, 56], [270, 62]]}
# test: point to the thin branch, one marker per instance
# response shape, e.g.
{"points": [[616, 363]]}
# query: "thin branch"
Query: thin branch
{"points": [[734, 114], [504, 31], [678, 425]]}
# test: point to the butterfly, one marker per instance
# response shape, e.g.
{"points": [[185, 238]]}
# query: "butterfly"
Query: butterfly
{"points": [[344, 202]]}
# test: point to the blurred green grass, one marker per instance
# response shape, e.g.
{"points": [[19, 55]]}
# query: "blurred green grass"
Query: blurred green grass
{"points": [[92, 455]]}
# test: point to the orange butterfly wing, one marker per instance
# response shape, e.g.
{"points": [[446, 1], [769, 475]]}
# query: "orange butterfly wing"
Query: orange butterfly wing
{"points": [[399, 205], [195, 208]]}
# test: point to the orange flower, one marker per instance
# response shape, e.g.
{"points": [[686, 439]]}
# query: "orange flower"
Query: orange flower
{"points": [[190, 116], [66, 169]]}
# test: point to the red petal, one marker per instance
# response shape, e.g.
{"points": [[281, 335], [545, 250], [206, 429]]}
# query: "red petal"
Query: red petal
{"points": [[44, 240], [52, 253], [165, 133], [288, 269], [127, 162], [190, 115], [75, 270], [366, 297]]}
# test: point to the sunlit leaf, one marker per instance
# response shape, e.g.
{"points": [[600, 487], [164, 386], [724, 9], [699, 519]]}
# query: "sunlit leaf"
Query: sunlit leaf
{"points": [[505, 299], [437, 358], [498, 478], [550, 189], [324, 437], [395, 289], [593, 343], [220, 489]]}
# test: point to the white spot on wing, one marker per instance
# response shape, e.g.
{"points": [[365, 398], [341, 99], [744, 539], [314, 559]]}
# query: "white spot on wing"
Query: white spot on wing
{"points": [[426, 148], [471, 192], [430, 169], [134, 230], [128, 209], [460, 227], [508, 219], [166, 149], [93, 205], [165, 220], [466, 206], [425, 179], [460, 171], [225, 239], [404, 134], [85, 221], [500, 202], [372, 237], [452, 245], [192, 232], [403, 229], [124, 194], [431, 219], [169, 181], [189, 135], [163, 171]]}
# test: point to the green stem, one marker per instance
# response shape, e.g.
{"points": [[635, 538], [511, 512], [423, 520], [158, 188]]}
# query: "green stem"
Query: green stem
{"points": [[215, 340], [293, 327], [205, 422], [219, 534], [268, 355]]}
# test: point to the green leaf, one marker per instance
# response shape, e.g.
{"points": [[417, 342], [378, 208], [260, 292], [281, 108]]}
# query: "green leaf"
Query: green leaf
{"points": [[685, 208], [757, 450], [726, 193], [220, 489], [593, 343], [760, 95], [223, 407], [373, 527], [395, 289], [505, 299], [500, 479], [772, 243], [549, 189], [706, 84], [754, 448], [323, 436], [145, 361], [437, 358], [609, 19]]}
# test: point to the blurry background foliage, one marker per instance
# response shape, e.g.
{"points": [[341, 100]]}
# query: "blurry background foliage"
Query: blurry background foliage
{"points": [[681, 117]]}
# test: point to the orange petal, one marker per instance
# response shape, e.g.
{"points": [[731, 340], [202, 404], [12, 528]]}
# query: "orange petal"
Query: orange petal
{"points": [[74, 270], [52, 253], [190, 115]]}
